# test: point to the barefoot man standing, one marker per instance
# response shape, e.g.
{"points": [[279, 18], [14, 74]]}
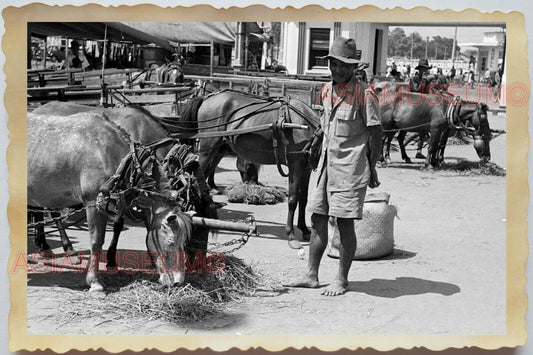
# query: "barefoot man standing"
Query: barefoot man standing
{"points": [[350, 150]]}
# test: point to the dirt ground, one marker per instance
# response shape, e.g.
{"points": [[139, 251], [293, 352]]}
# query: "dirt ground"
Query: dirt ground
{"points": [[445, 276]]}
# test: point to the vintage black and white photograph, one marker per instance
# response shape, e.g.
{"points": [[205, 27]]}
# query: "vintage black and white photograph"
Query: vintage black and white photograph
{"points": [[268, 178]]}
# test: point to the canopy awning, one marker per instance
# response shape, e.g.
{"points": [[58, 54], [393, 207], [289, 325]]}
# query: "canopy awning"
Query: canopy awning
{"points": [[163, 34], [183, 32], [93, 31]]}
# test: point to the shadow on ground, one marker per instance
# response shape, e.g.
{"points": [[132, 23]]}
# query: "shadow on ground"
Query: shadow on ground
{"points": [[402, 286]]}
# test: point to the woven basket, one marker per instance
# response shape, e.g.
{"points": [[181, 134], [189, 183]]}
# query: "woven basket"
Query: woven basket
{"points": [[375, 232]]}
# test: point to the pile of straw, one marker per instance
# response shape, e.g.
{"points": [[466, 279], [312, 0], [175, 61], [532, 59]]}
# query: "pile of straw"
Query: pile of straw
{"points": [[139, 295], [256, 194], [475, 168]]}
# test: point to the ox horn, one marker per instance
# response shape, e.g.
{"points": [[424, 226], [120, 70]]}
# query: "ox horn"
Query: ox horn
{"points": [[190, 214], [500, 131]]}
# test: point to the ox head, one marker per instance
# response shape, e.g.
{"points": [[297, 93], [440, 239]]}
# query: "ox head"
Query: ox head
{"points": [[482, 135], [168, 233]]}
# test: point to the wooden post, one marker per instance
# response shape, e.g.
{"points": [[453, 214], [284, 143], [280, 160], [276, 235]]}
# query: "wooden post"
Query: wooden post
{"points": [[237, 60], [246, 45], [453, 48], [45, 51], [103, 94], [264, 55], [212, 58]]}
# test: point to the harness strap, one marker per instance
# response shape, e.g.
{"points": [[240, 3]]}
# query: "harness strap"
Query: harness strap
{"points": [[133, 177], [278, 138], [453, 111]]}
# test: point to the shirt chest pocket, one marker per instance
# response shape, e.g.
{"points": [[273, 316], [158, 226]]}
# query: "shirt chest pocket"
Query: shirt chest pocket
{"points": [[348, 124]]}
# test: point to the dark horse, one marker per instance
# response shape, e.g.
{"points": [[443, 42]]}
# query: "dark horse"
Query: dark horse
{"points": [[229, 119], [406, 111], [147, 129], [66, 168]]}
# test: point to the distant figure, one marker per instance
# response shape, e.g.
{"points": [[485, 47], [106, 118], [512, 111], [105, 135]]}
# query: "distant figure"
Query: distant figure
{"points": [[396, 75], [496, 81], [452, 73], [486, 77], [472, 61], [420, 82], [471, 78], [403, 71], [75, 59]]}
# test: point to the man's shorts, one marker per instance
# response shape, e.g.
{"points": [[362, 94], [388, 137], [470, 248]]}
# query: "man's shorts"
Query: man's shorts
{"points": [[342, 204]]}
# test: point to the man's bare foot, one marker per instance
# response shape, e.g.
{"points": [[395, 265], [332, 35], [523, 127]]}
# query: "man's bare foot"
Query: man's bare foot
{"points": [[305, 282], [336, 288]]}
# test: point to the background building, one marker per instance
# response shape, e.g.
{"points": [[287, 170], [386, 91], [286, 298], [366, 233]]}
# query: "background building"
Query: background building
{"points": [[304, 43], [488, 53]]}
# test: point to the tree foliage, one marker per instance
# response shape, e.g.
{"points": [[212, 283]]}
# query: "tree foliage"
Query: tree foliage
{"points": [[400, 45]]}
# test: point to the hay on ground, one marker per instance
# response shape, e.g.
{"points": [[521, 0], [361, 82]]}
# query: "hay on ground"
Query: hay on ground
{"points": [[256, 194], [139, 295], [466, 167]]}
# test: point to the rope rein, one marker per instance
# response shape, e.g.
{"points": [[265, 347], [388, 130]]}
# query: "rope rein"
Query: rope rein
{"points": [[267, 102]]}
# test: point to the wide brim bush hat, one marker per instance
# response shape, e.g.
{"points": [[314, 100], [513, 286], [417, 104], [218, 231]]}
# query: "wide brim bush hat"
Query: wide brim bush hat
{"points": [[423, 63], [345, 50]]}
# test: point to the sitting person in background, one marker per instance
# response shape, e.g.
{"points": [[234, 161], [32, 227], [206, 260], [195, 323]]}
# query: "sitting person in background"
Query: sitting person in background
{"points": [[75, 59], [54, 62]]}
